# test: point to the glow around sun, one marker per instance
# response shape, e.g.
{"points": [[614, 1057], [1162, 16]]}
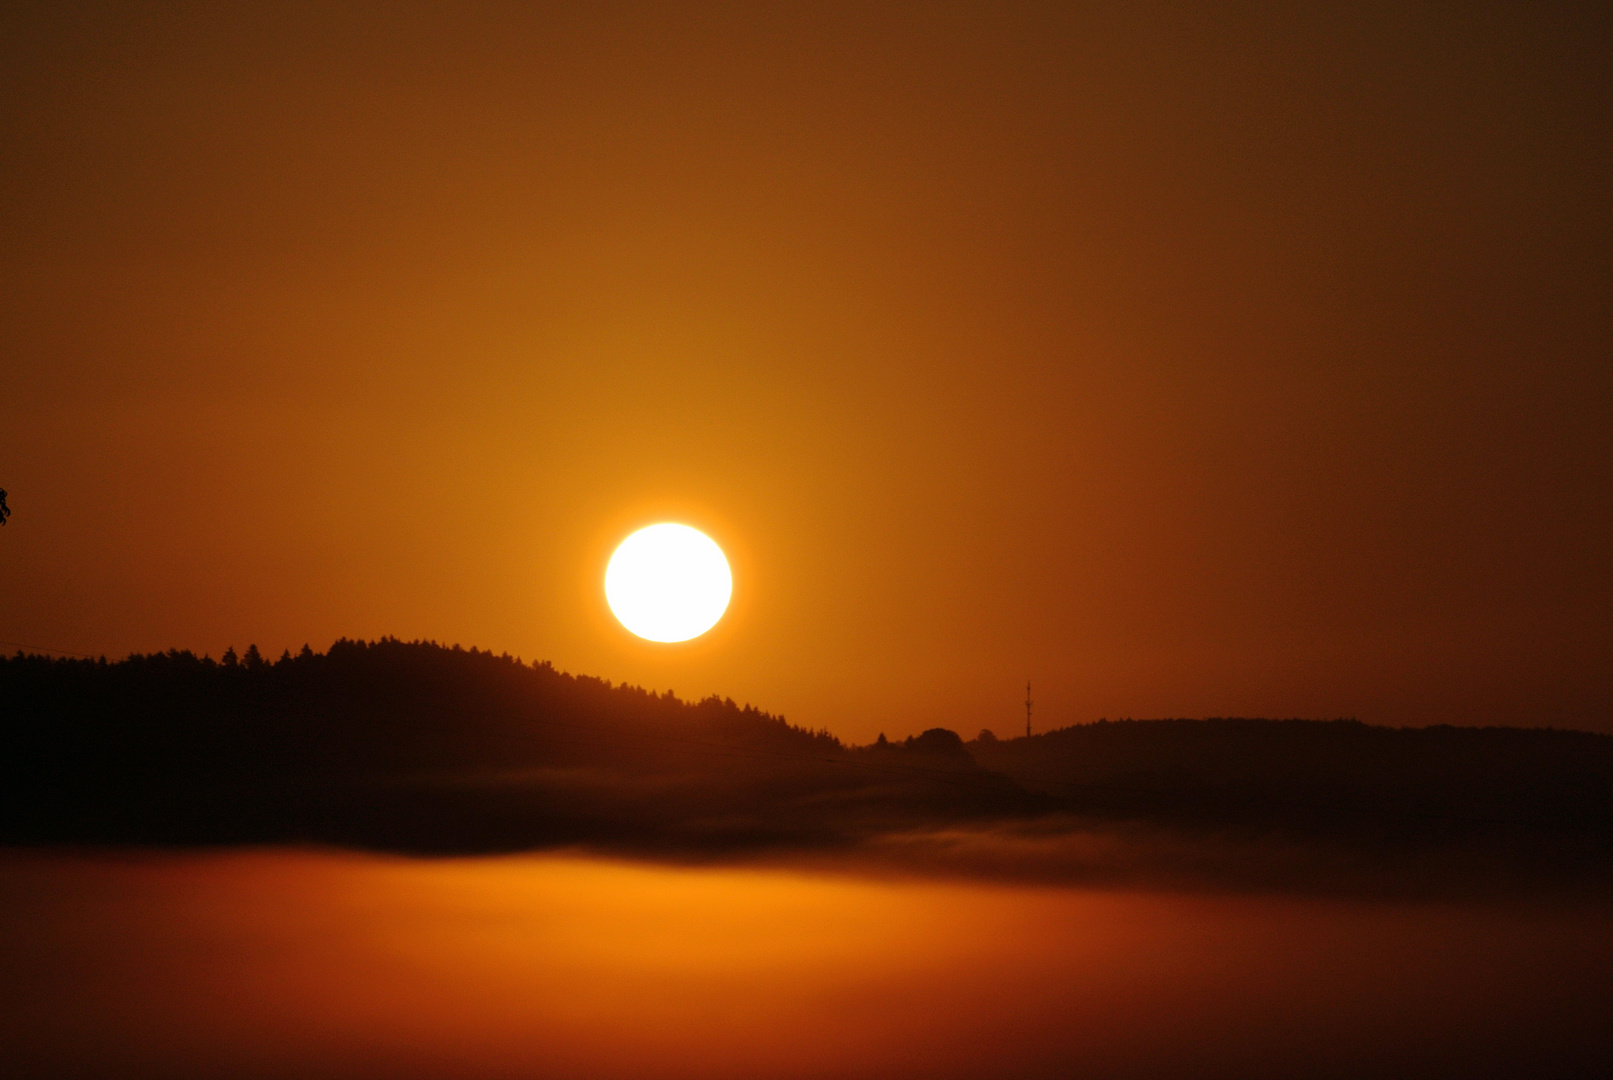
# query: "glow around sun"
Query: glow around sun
{"points": [[668, 583]]}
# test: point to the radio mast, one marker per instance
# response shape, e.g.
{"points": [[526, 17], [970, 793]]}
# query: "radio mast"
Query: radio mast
{"points": [[1027, 708]]}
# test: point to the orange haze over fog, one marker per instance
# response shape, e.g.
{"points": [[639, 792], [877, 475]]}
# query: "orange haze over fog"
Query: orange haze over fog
{"points": [[1193, 362], [313, 965]]}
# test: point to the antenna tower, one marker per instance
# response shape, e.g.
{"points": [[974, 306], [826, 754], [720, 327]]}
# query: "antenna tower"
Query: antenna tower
{"points": [[1027, 708]]}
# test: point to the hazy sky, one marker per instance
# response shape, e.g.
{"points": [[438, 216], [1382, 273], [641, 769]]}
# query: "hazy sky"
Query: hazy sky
{"points": [[1189, 360]]}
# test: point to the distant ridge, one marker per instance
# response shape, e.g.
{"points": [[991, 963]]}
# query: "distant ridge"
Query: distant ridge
{"points": [[1329, 775]]}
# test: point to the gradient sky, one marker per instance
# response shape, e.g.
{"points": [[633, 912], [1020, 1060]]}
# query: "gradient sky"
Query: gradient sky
{"points": [[1248, 360]]}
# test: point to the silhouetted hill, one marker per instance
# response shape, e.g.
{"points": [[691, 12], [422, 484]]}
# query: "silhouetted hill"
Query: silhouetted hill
{"points": [[418, 747], [422, 747], [1332, 776]]}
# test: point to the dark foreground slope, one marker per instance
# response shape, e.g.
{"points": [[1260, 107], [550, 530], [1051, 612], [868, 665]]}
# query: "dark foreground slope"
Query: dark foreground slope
{"points": [[417, 747], [413, 746]]}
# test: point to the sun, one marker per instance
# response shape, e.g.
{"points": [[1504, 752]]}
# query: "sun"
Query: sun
{"points": [[668, 582]]}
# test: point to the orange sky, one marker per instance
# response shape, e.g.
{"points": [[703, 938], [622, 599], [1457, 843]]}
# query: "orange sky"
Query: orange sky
{"points": [[1252, 361]]}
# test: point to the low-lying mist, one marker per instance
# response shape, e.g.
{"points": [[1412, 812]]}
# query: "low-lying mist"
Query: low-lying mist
{"points": [[274, 963]]}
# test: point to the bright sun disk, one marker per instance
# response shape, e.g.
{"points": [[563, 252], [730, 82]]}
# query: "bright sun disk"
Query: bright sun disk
{"points": [[668, 582]]}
